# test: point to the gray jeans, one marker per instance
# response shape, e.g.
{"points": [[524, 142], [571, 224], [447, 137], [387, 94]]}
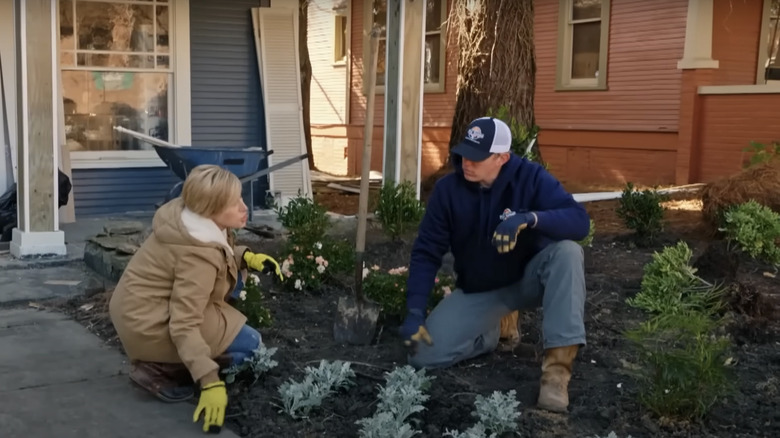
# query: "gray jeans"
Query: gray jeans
{"points": [[463, 326]]}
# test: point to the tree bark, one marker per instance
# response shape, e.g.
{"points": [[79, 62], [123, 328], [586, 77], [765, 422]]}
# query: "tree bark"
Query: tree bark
{"points": [[496, 67], [306, 73]]}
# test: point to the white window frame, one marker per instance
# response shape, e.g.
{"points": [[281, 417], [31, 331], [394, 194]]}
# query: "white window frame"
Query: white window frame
{"points": [[763, 57], [179, 123], [563, 79], [430, 87]]}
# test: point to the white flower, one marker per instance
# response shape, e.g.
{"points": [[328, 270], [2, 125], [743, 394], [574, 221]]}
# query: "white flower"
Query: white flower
{"points": [[320, 269], [242, 295], [365, 272], [298, 284], [255, 279], [318, 245]]}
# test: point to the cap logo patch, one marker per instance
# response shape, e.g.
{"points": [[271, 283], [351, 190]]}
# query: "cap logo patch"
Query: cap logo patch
{"points": [[475, 134]]}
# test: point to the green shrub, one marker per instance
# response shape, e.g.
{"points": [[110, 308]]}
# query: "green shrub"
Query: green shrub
{"points": [[642, 211], [521, 134], [398, 209], [305, 220], [251, 302], [683, 370], [670, 285], [755, 229], [388, 289], [762, 153], [588, 240]]}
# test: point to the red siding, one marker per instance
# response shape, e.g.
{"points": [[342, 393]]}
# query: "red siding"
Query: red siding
{"points": [[735, 40]]}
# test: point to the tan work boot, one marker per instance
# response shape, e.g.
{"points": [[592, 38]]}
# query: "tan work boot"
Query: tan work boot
{"points": [[556, 373]]}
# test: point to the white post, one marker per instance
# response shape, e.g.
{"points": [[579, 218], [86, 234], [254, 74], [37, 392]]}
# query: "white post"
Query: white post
{"points": [[697, 52], [38, 230]]}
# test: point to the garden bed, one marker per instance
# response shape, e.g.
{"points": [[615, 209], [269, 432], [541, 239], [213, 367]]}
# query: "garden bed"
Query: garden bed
{"points": [[602, 390]]}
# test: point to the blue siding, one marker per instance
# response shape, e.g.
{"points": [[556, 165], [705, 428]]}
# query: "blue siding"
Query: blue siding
{"points": [[226, 107], [103, 192]]}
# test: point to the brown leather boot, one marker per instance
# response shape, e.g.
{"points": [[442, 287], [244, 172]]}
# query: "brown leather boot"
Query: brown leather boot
{"points": [[556, 373], [171, 383]]}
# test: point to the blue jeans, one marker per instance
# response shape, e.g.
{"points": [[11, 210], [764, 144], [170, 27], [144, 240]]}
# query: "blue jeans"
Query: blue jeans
{"points": [[248, 339]]}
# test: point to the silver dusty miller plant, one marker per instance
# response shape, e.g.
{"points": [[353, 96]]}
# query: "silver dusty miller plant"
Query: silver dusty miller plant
{"points": [[402, 396], [258, 364], [497, 414], [299, 398]]}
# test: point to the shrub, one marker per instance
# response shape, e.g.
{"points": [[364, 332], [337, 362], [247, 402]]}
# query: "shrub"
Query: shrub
{"points": [[398, 209], [251, 302], [305, 220], [388, 289], [683, 372], [642, 211], [670, 285], [588, 240], [755, 229], [521, 134], [304, 267], [300, 398], [761, 153], [497, 414]]}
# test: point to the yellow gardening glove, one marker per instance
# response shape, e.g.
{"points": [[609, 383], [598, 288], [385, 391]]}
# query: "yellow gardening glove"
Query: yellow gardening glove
{"points": [[213, 401], [262, 263]]}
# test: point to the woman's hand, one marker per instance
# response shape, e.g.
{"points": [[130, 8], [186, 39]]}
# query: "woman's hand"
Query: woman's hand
{"points": [[262, 263], [213, 402]]}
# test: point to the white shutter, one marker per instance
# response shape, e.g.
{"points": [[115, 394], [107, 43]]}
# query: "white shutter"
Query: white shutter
{"points": [[276, 37]]}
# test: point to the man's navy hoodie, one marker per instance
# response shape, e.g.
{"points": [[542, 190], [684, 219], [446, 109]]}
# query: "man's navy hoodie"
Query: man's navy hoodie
{"points": [[461, 216]]}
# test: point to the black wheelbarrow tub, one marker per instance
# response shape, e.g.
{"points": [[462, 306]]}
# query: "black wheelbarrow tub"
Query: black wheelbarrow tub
{"points": [[239, 161]]}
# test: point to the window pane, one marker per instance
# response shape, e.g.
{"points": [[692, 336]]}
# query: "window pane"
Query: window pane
{"points": [[380, 63], [115, 26], [585, 9], [115, 60], [585, 50], [97, 101], [67, 40], [67, 59], [433, 15], [380, 15], [163, 62], [163, 24], [432, 58]]}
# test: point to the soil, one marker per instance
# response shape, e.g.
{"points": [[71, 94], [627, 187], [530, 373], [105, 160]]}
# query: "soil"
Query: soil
{"points": [[603, 393]]}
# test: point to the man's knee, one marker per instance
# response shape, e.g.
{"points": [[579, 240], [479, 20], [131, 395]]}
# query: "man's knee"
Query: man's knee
{"points": [[567, 251]]}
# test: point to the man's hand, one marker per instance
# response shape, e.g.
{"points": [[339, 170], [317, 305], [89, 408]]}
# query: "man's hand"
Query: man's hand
{"points": [[262, 263], [505, 236], [413, 330], [213, 401]]}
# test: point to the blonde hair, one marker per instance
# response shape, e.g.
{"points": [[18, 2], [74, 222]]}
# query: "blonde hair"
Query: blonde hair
{"points": [[209, 188]]}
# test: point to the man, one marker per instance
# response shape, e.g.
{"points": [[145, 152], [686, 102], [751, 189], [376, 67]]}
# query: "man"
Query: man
{"points": [[511, 228]]}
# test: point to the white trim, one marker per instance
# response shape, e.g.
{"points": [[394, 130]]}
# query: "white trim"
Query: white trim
{"points": [[399, 97], [442, 75], [182, 85], [114, 163], [697, 52], [25, 158], [25, 244], [770, 88], [55, 113]]}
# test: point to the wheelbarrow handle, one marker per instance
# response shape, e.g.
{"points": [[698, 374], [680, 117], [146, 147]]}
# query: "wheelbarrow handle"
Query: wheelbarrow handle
{"points": [[268, 170]]}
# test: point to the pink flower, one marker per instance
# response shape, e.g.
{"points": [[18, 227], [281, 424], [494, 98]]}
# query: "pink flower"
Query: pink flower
{"points": [[319, 260], [436, 280]]}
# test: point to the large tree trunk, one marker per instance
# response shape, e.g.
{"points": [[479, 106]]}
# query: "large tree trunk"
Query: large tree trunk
{"points": [[496, 67], [303, 51]]}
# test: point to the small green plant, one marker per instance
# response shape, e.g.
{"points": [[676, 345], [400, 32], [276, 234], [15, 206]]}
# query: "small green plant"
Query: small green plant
{"points": [[761, 153], [611, 435], [258, 364], [521, 134], [300, 398], [497, 414], [305, 220], [755, 229], [588, 240], [251, 302], [398, 209], [642, 211], [304, 268], [402, 396], [684, 364], [670, 285], [388, 289]]}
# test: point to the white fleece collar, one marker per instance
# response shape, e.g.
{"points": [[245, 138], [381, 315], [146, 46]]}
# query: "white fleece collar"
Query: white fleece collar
{"points": [[204, 229]]}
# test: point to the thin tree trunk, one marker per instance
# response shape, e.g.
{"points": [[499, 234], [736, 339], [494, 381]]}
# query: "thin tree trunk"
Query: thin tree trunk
{"points": [[306, 73]]}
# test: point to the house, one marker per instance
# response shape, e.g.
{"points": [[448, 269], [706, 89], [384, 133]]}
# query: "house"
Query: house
{"points": [[189, 72], [660, 92]]}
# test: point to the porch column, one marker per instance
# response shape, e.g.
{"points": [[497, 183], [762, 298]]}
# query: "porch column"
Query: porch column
{"points": [[37, 232], [404, 91], [697, 52]]}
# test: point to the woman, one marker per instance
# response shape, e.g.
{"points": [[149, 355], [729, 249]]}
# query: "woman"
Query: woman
{"points": [[169, 308]]}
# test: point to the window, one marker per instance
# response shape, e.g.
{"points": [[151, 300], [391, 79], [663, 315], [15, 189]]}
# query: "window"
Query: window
{"points": [[434, 51], [340, 39], [117, 70], [583, 42], [769, 65]]}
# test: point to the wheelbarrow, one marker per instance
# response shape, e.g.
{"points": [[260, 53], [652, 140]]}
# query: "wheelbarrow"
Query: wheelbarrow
{"points": [[242, 162]]}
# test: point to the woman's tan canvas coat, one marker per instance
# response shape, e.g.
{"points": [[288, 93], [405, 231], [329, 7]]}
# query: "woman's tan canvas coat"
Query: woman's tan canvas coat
{"points": [[169, 305]]}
